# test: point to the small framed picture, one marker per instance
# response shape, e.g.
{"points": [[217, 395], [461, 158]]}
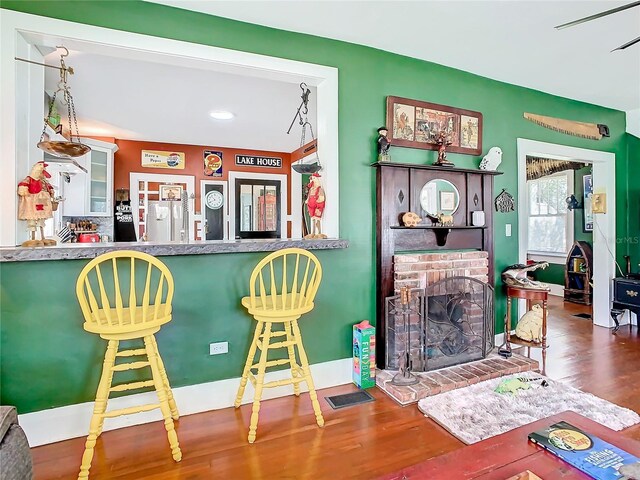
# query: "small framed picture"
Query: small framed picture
{"points": [[447, 201], [171, 192], [587, 218]]}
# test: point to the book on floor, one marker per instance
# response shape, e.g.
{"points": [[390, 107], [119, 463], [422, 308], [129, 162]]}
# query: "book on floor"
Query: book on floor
{"points": [[586, 452]]}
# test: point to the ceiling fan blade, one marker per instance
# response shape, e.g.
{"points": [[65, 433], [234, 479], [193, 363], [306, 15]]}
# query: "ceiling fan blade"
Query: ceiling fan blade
{"points": [[598, 15], [628, 44]]}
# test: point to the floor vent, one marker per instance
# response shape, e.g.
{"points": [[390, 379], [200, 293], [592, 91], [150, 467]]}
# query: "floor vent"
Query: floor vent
{"points": [[583, 315], [349, 399]]}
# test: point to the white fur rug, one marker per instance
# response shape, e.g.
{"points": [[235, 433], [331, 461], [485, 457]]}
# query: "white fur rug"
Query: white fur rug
{"points": [[477, 412]]}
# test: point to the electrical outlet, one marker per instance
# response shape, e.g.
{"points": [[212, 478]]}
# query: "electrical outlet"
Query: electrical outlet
{"points": [[218, 348], [507, 229]]}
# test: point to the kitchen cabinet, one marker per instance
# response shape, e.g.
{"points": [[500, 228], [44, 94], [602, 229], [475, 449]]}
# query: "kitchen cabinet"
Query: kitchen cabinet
{"points": [[91, 194]]}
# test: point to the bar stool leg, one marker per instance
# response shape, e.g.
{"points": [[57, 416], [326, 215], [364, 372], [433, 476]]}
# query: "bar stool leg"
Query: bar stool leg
{"points": [[162, 398], [307, 373], [99, 407], [292, 358], [110, 359], [165, 380], [262, 367], [247, 366]]}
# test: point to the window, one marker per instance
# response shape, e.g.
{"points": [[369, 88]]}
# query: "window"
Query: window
{"points": [[550, 222]]}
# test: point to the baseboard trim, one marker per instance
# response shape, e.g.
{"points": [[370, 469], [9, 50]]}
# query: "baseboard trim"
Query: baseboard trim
{"points": [[72, 421], [557, 290]]}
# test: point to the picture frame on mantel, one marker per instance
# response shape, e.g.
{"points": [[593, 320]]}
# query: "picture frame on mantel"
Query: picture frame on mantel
{"points": [[416, 124]]}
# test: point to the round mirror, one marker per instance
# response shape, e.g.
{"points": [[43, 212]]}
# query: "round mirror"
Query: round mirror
{"points": [[439, 196]]}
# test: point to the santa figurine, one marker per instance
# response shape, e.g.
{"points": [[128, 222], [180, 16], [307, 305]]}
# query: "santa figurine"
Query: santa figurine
{"points": [[315, 205], [35, 204]]}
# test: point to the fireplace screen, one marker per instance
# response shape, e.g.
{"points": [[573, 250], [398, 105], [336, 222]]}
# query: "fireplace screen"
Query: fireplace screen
{"points": [[448, 323]]}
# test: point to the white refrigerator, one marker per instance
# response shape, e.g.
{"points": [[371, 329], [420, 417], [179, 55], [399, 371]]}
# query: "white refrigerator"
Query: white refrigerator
{"points": [[164, 222]]}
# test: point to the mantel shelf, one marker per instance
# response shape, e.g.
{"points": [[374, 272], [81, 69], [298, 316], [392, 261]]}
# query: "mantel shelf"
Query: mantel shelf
{"points": [[435, 167], [435, 227], [441, 231]]}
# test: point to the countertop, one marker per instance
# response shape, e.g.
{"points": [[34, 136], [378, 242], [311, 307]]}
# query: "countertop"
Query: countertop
{"points": [[75, 251]]}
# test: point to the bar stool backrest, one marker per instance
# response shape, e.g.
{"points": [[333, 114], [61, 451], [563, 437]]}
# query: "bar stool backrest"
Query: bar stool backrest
{"points": [[125, 289], [286, 281]]}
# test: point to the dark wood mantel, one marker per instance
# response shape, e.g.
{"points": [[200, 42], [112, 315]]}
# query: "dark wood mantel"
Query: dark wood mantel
{"points": [[398, 187]]}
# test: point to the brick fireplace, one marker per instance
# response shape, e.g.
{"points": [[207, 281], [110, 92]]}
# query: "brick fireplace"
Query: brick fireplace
{"points": [[416, 270], [450, 319]]}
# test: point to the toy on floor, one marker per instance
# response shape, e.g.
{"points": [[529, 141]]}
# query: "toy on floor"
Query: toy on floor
{"points": [[510, 386]]}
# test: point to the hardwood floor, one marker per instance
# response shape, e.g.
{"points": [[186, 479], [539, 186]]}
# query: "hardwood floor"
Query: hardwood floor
{"points": [[360, 442]]}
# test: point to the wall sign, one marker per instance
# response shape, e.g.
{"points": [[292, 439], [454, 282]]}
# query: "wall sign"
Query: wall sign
{"points": [[159, 159], [212, 163], [253, 161]]}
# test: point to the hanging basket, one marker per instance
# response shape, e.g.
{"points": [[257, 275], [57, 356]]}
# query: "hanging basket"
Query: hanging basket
{"points": [[307, 168], [64, 149]]}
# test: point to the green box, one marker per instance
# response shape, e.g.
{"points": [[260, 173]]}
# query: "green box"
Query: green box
{"points": [[364, 354]]}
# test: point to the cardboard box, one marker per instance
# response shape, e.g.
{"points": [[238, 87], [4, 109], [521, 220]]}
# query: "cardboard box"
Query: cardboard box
{"points": [[364, 354]]}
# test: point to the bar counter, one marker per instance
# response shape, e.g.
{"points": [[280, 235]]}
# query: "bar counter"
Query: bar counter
{"points": [[75, 251]]}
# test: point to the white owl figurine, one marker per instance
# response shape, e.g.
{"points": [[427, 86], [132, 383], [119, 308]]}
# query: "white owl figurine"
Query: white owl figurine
{"points": [[492, 159]]}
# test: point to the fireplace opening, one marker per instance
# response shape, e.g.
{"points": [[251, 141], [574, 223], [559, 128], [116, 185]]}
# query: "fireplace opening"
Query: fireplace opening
{"points": [[447, 323]]}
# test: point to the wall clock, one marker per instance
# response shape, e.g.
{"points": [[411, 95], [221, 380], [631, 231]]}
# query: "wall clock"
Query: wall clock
{"points": [[214, 200]]}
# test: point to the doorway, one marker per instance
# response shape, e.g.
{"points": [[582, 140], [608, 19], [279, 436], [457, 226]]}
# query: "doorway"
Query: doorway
{"points": [[258, 205], [604, 244], [147, 193]]}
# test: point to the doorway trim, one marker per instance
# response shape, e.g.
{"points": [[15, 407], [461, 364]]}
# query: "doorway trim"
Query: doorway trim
{"points": [[604, 233], [19, 28], [284, 217], [134, 194]]}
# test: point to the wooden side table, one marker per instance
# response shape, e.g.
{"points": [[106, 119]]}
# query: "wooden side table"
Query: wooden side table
{"points": [[530, 295]]}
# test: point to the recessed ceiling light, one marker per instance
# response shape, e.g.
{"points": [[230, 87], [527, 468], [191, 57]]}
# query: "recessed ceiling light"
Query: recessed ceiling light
{"points": [[222, 115]]}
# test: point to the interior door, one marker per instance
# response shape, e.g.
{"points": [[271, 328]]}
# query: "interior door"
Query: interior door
{"points": [[257, 208], [214, 205]]}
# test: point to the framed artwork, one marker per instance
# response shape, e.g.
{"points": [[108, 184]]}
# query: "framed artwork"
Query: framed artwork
{"points": [[416, 124], [447, 201], [171, 192], [587, 217]]}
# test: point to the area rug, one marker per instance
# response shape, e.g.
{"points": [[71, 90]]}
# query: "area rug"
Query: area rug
{"points": [[476, 412]]}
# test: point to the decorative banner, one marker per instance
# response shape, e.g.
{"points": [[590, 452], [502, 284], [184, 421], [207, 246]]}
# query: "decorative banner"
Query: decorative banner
{"points": [[158, 159], [252, 161], [212, 163]]}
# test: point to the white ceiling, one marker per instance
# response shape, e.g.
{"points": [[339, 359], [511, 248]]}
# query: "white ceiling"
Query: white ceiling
{"points": [[155, 101], [512, 41]]}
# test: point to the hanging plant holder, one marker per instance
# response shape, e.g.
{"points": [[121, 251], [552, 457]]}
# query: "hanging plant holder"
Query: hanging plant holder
{"points": [[63, 148], [314, 166]]}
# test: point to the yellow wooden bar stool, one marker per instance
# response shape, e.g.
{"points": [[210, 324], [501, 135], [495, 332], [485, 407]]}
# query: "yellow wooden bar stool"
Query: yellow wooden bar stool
{"points": [[282, 302], [136, 315]]}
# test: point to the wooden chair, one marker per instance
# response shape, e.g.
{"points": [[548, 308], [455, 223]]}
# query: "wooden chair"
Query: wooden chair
{"points": [[137, 314], [282, 288]]}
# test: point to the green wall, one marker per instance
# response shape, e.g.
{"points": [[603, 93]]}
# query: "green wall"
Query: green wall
{"points": [[631, 242], [48, 360]]}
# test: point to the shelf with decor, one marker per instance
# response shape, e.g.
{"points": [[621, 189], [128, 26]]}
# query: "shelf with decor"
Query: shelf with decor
{"points": [[428, 191], [578, 274]]}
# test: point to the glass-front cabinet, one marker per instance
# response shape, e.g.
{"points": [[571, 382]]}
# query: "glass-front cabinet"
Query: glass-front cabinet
{"points": [[99, 176], [91, 193]]}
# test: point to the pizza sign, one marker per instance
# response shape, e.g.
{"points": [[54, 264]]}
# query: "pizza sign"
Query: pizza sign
{"points": [[212, 163]]}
